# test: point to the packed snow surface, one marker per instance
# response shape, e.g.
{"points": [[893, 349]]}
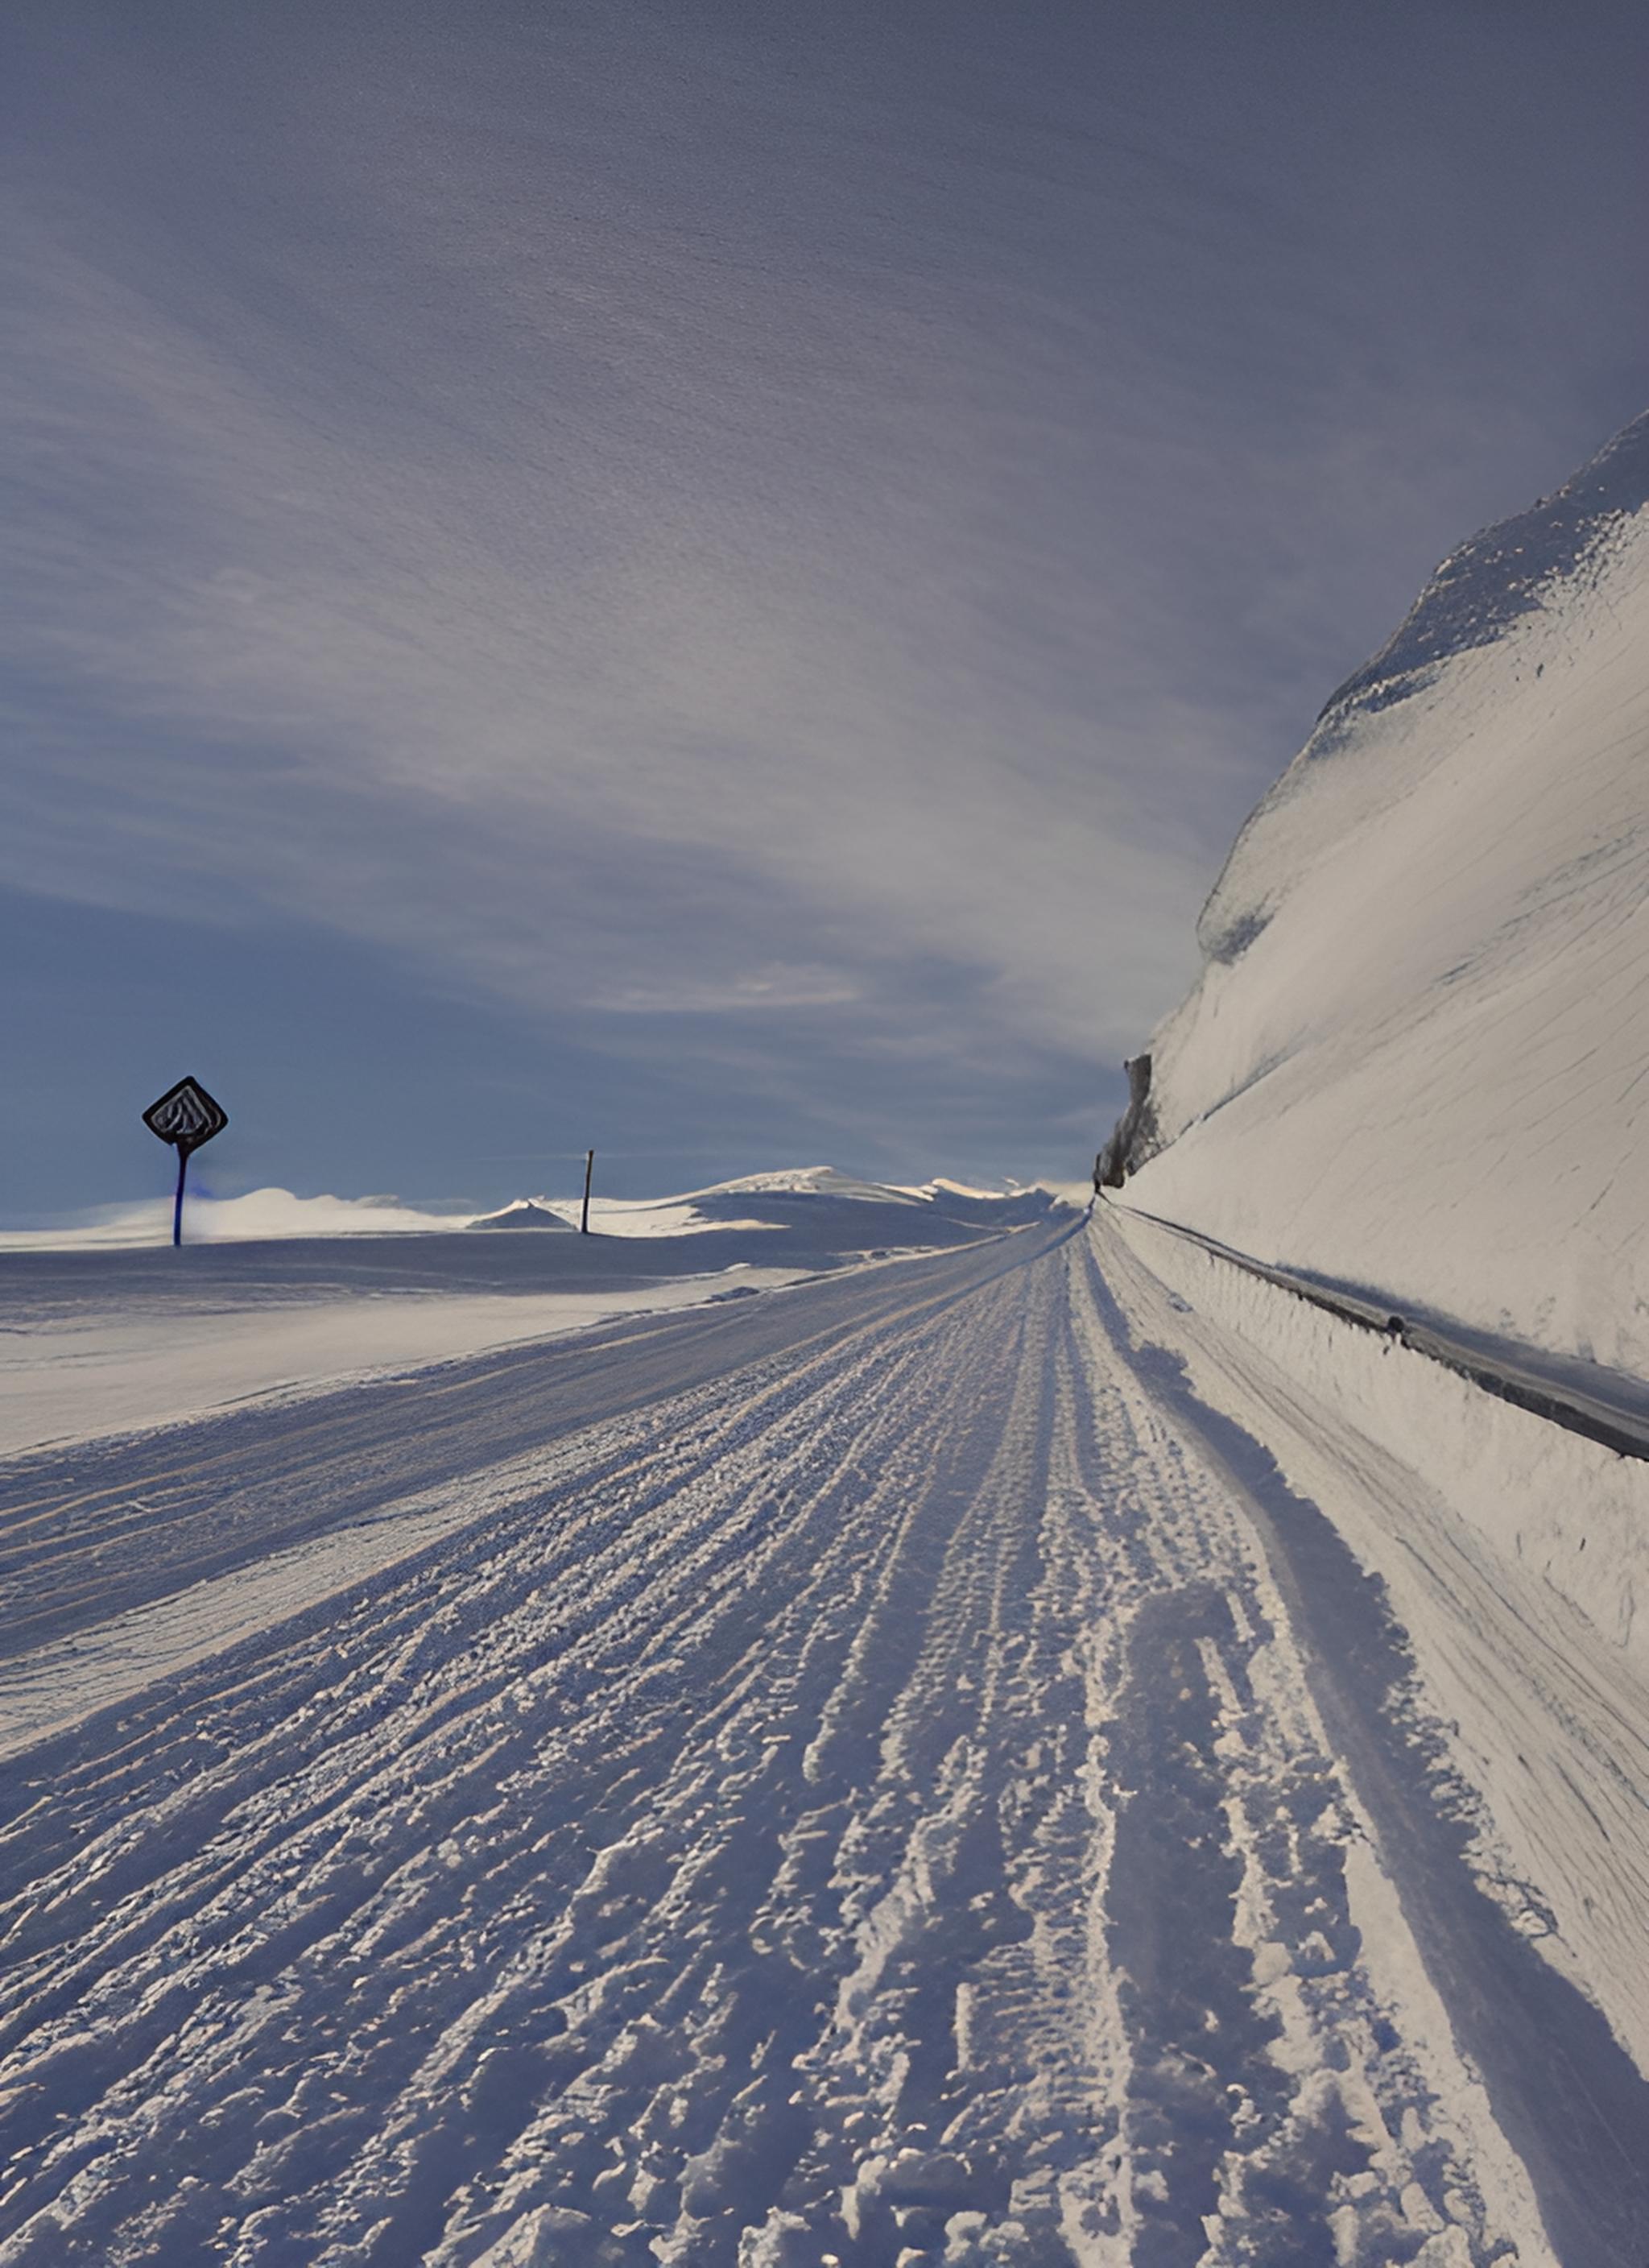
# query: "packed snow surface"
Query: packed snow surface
{"points": [[910, 1768], [1417, 1058]]}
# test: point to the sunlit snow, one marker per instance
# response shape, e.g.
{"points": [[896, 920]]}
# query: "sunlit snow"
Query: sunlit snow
{"points": [[1418, 1057]]}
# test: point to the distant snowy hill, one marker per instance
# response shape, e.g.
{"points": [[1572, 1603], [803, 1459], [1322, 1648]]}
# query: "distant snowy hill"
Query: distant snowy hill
{"points": [[524, 1213], [816, 1194], [804, 1197], [1418, 1056], [811, 1180]]}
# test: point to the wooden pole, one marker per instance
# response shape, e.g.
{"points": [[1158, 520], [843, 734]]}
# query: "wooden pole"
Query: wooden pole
{"points": [[589, 1169]]}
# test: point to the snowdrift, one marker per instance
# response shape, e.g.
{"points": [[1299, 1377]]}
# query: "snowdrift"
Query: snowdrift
{"points": [[1513, 1557], [1417, 1055]]}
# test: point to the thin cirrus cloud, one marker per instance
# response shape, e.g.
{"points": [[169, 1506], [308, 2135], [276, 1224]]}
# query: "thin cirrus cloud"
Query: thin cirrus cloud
{"points": [[352, 657], [686, 519]]}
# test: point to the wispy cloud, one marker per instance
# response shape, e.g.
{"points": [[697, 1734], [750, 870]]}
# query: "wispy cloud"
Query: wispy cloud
{"points": [[646, 532], [445, 696]]}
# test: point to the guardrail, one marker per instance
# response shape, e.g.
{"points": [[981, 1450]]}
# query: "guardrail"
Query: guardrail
{"points": [[1614, 1427]]}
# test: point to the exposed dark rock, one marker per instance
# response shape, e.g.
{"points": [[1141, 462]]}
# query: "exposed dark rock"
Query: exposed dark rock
{"points": [[1134, 1135]]}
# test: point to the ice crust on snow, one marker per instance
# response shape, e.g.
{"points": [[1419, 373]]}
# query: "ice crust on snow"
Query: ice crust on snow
{"points": [[1418, 1057]]}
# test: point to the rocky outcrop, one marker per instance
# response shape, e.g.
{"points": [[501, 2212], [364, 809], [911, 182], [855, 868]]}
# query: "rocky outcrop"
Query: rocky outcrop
{"points": [[1133, 1137]]}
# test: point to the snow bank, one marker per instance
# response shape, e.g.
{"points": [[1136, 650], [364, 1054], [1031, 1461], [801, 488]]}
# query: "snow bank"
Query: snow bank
{"points": [[1418, 1056], [1514, 1553]]}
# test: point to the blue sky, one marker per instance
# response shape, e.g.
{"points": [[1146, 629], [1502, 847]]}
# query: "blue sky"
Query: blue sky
{"points": [[717, 580]]}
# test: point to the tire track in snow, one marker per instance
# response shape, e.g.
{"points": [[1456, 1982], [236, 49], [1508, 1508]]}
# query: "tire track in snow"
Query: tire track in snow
{"points": [[742, 1849], [108, 1524], [1564, 2091]]}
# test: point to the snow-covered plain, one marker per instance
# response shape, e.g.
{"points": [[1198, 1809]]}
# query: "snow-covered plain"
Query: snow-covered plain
{"points": [[106, 1327], [82, 1374]]}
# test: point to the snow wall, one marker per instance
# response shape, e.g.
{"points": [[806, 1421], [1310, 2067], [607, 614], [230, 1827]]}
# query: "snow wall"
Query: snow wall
{"points": [[1417, 1055]]}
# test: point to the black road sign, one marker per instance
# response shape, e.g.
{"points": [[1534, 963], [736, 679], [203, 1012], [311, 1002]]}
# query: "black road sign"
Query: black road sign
{"points": [[186, 1116]]}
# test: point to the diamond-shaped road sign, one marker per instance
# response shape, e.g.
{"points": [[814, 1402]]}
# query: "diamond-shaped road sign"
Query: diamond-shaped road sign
{"points": [[186, 1116]]}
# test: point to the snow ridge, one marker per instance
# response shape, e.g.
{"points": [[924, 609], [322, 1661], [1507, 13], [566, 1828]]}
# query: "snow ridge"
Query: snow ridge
{"points": [[1494, 577]]}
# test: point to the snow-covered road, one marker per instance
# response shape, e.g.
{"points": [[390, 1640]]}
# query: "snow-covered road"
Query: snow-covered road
{"points": [[874, 1773]]}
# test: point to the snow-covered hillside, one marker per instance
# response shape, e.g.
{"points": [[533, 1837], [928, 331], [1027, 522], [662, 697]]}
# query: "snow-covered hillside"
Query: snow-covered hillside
{"points": [[794, 1195], [1418, 1057]]}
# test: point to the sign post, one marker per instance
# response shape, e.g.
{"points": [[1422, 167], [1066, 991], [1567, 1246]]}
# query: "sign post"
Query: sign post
{"points": [[589, 1169], [186, 1116]]}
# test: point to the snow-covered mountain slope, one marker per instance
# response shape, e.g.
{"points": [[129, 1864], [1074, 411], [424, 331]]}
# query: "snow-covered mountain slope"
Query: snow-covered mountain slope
{"points": [[811, 1180], [1418, 1057]]}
